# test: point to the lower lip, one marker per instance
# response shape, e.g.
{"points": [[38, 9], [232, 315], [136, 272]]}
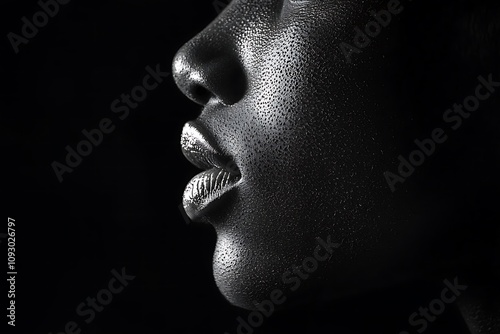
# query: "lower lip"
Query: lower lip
{"points": [[205, 188]]}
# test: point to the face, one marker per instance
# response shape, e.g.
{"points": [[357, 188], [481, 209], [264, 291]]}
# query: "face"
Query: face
{"points": [[295, 135]]}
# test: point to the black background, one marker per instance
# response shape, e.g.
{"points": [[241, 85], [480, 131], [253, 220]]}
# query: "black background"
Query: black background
{"points": [[119, 208]]}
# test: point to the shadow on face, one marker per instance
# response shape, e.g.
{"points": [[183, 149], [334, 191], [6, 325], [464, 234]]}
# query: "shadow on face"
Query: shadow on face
{"points": [[363, 137]]}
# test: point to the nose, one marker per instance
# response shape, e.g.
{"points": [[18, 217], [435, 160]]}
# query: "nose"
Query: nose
{"points": [[209, 67]]}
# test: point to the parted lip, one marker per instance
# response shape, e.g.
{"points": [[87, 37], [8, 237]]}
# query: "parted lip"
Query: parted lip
{"points": [[199, 148], [220, 176]]}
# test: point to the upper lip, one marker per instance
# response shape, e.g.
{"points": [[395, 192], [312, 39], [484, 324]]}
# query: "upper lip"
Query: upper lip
{"points": [[199, 148]]}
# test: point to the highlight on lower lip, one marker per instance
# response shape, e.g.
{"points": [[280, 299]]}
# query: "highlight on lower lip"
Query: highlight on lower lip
{"points": [[205, 188]]}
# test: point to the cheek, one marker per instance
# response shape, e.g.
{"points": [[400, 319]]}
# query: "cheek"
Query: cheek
{"points": [[316, 135], [314, 139], [312, 118], [313, 166]]}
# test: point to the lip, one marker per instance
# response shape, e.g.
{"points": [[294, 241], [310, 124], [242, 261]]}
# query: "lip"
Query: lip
{"points": [[220, 176]]}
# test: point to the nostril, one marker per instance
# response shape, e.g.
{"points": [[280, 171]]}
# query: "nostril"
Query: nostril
{"points": [[200, 94]]}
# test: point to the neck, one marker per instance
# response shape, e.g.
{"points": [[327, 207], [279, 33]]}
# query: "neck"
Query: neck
{"points": [[402, 309]]}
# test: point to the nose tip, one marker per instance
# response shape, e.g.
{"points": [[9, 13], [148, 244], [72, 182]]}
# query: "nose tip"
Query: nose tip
{"points": [[203, 72]]}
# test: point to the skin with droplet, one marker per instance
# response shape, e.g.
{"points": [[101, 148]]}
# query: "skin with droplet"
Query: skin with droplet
{"points": [[312, 134]]}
